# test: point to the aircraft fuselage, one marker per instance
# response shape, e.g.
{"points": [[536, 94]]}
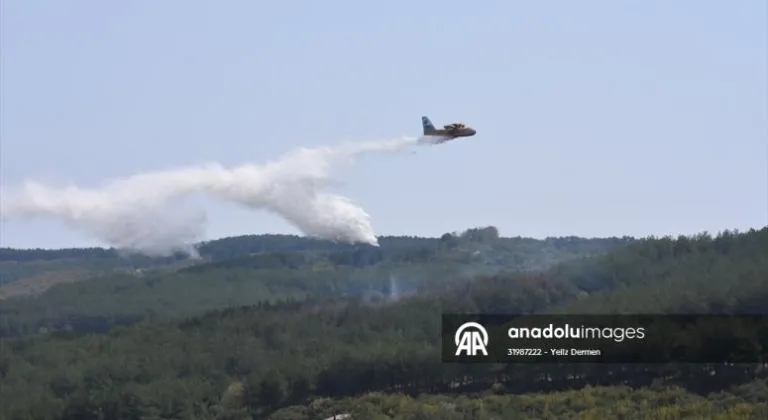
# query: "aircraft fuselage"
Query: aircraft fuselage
{"points": [[451, 131], [461, 132]]}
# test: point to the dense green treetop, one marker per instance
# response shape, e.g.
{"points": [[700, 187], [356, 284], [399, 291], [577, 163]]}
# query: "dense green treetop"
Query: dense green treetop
{"points": [[316, 337]]}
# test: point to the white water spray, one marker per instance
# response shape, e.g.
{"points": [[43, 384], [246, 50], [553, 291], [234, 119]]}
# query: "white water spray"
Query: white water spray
{"points": [[143, 212]]}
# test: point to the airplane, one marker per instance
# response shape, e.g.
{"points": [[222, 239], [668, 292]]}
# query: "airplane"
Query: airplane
{"points": [[450, 131]]}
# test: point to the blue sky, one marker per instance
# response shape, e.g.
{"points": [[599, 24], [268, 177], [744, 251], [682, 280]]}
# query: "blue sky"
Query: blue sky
{"points": [[594, 118]]}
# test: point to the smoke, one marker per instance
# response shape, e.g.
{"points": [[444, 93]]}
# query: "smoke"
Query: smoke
{"points": [[394, 290], [147, 212]]}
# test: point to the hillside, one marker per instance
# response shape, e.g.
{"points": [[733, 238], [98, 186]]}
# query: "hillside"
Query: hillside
{"points": [[590, 403], [273, 267], [257, 360], [27, 272]]}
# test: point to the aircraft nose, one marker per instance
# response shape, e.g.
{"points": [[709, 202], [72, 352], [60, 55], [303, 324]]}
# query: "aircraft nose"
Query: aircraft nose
{"points": [[472, 132]]}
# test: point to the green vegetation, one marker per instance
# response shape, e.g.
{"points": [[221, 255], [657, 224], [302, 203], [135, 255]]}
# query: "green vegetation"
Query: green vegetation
{"points": [[601, 403], [268, 268], [303, 332], [26, 272]]}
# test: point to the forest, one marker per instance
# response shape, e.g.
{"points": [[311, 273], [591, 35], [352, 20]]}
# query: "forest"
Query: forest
{"points": [[284, 327]]}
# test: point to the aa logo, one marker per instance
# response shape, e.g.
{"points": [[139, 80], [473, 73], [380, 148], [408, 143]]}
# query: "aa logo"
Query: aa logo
{"points": [[471, 338]]}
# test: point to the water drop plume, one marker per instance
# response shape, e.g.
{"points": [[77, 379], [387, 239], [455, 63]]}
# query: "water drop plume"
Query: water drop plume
{"points": [[150, 213]]}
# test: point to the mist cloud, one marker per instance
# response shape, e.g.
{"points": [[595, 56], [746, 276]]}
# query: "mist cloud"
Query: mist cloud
{"points": [[149, 212]]}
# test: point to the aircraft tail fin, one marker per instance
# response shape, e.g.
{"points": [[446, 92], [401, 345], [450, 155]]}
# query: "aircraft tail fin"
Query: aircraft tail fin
{"points": [[427, 125]]}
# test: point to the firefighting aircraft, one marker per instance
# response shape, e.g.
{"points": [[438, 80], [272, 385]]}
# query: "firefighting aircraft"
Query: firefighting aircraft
{"points": [[449, 132]]}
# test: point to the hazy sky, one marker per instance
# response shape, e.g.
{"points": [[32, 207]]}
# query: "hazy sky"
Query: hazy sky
{"points": [[594, 118]]}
